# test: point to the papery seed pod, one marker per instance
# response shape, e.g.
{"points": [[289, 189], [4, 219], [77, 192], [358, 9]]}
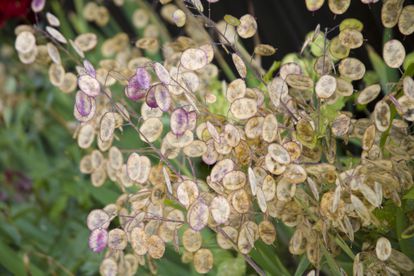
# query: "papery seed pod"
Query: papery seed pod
{"points": [[89, 85], [264, 50], [203, 260], [297, 244], [267, 232], [383, 249], [220, 209], [325, 87], [139, 241], [98, 240], [382, 116], [300, 82], [408, 87], [56, 34], [240, 201], [369, 94], [187, 192], [156, 247], [236, 90], [192, 240], [339, 6], [295, 174], [117, 239], [393, 53], [25, 42], [179, 18], [360, 209], [261, 200], [247, 27], [285, 190], [337, 50], [352, 68], [401, 261], [86, 136], [108, 267], [314, 5], [239, 64], [227, 237], [390, 12], [269, 187], [279, 153], [37, 5], [179, 121], [270, 128], [343, 87], [351, 38], [194, 59], [234, 180], [107, 126], [405, 20], [197, 216], [150, 130], [97, 219]]}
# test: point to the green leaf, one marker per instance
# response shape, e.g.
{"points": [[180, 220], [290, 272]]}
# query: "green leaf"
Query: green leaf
{"points": [[302, 266], [14, 263]]}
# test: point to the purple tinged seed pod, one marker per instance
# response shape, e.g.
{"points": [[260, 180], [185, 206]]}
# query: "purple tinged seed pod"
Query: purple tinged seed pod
{"points": [[192, 120], [179, 121], [90, 70], [83, 103], [150, 99], [98, 239], [162, 97], [138, 85], [38, 5]]}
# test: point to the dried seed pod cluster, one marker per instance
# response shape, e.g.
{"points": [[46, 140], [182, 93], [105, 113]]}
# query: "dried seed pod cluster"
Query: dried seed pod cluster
{"points": [[272, 149]]}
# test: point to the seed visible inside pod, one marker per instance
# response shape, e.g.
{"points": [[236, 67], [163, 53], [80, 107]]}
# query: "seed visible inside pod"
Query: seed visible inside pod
{"points": [[197, 216], [220, 209], [383, 249], [247, 27], [382, 116], [89, 85], [179, 121], [244, 108], [194, 59], [393, 53], [325, 87], [192, 240], [339, 6], [390, 12], [352, 68], [406, 20], [351, 38], [264, 50], [240, 66], [97, 219], [314, 5], [203, 260], [369, 94], [279, 153]]}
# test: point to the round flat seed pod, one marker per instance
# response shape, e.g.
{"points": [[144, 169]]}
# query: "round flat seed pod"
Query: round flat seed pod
{"points": [[220, 209], [247, 237], [227, 237], [162, 73], [86, 42], [294, 149], [56, 74], [69, 83], [408, 87], [261, 200], [244, 108], [179, 121], [337, 50], [406, 20], [156, 247], [139, 241], [264, 50], [187, 192], [369, 137], [97, 219], [29, 57], [86, 136], [247, 27], [269, 187], [351, 23], [240, 201], [179, 141], [85, 165], [115, 158], [369, 94], [196, 149], [285, 191], [236, 90], [221, 169], [325, 87], [162, 97], [25, 42], [295, 174], [98, 240], [197, 216], [393, 53], [314, 5], [53, 53], [138, 168], [253, 127], [351, 38], [147, 43], [382, 116], [390, 12], [179, 18], [343, 87], [97, 159], [148, 112], [192, 240], [401, 261], [194, 59], [140, 18], [252, 180], [98, 177], [339, 6], [150, 130], [300, 82], [240, 66], [323, 65], [279, 153], [108, 267], [270, 128], [175, 219], [89, 85], [52, 20], [203, 261], [352, 69], [277, 90], [273, 166], [383, 249], [56, 34], [107, 126], [360, 209], [234, 180], [267, 232], [117, 239], [289, 68]]}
